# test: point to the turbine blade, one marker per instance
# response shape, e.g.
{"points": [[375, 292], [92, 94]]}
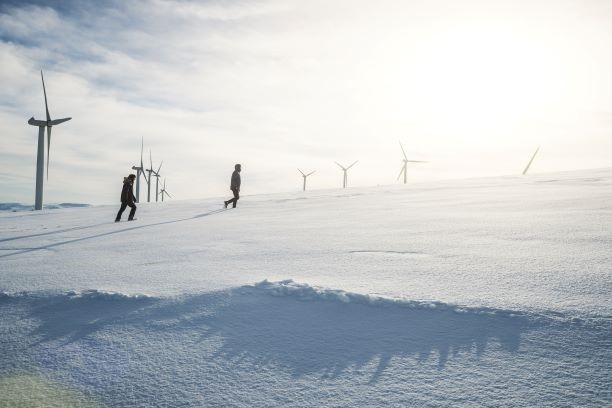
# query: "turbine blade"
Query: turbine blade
{"points": [[48, 148], [58, 121], [401, 171], [159, 168], [164, 183], [45, 92], [310, 173], [301, 172], [416, 161], [403, 151], [354, 163], [150, 160], [167, 193], [531, 161], [339, 165]]}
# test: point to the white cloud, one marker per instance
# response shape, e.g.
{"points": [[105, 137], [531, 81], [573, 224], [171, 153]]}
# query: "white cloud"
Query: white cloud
{"points": [[285, 84]]}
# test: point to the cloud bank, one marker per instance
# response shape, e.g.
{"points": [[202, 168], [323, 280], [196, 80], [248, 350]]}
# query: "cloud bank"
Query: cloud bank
{"points": [[277, 85]]}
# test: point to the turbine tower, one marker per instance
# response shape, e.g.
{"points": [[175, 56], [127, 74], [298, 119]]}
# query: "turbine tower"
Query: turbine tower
{"points": [[304, 176], [40, 158], [531, 161], [345, 169], [404, 166], [149, 170], [139, 170], [163, 191], [157, 175]]}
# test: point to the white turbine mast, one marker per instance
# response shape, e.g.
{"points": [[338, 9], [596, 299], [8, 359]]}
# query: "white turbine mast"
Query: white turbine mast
{"points": [[345, 169], [304, 176], [40, 158], [405, 164], [531, 161], [139, 171], [163, 191]]}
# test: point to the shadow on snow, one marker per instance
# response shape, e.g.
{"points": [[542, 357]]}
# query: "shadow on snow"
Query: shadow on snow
{"points": [[71, 241], [321, 337]]}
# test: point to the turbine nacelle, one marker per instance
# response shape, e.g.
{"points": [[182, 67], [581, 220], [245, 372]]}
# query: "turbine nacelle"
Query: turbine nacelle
{"points": [[345, 170], [405, 161], [304, 177], [163, 191]]}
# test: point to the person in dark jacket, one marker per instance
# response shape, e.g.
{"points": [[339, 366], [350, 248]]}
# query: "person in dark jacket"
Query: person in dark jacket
{"points": [[235, 186], [127, 198]]}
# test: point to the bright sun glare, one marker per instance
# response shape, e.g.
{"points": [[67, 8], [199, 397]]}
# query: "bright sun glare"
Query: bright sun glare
{"points": [[479, 78], [471, 79]]}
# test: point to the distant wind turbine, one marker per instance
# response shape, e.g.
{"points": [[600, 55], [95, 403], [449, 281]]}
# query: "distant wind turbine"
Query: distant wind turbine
{"points": [[530, 161], [345, 169], [149, 170], [40, 158], [157, 175], [404, 166], [304, 176], [163, 191], [139, 170]]}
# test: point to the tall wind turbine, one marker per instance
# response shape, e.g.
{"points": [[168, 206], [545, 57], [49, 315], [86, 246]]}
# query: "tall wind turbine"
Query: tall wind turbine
{"points": [[404, 166], [345, 169], [163, 191], [531, 161], [40, 159], [139, 170], [157, 175], [304, 176], [149, 170]]}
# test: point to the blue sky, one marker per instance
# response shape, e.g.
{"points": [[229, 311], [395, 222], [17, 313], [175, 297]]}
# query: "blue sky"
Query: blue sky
{"points": [[473, 88]]}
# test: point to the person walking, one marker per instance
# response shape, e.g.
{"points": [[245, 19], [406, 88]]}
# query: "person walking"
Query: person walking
{"points": [[127, 198], [235, 186]]}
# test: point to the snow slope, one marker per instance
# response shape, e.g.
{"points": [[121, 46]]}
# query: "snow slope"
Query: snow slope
{"points": [[474, 292]]}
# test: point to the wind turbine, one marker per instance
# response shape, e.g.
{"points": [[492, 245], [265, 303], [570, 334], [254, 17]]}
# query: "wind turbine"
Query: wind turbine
{"points": [[163, 191], [345, 169], [139, 170], [404, 166], [531, 161], [304, 176], [149, 170], [156, 174], [40, 158]]}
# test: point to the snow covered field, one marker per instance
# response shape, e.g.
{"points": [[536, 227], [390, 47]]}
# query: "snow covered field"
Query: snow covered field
{"points": [[486, 292]]}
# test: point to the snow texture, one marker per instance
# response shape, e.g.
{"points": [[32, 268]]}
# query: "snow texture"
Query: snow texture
{"points": [[490, 292]]}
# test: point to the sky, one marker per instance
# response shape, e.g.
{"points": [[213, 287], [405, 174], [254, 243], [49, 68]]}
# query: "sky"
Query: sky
{"points": [[472, 87]]}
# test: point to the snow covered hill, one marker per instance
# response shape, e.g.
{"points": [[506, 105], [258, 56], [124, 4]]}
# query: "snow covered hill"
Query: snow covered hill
{"points": [[478, 292]]}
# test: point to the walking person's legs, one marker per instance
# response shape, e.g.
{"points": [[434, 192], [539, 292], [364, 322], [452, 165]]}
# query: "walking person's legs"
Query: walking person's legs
{"points": [[233, 200], [236, 197], [132, 211], [121, 210]]}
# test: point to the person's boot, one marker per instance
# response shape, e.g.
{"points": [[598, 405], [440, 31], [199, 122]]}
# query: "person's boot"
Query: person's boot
{"points": [[225, 203], [117, 219]]}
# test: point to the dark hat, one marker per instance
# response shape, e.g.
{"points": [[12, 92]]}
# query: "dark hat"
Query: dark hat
{"points": [[237, 166], [132, 176]]}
